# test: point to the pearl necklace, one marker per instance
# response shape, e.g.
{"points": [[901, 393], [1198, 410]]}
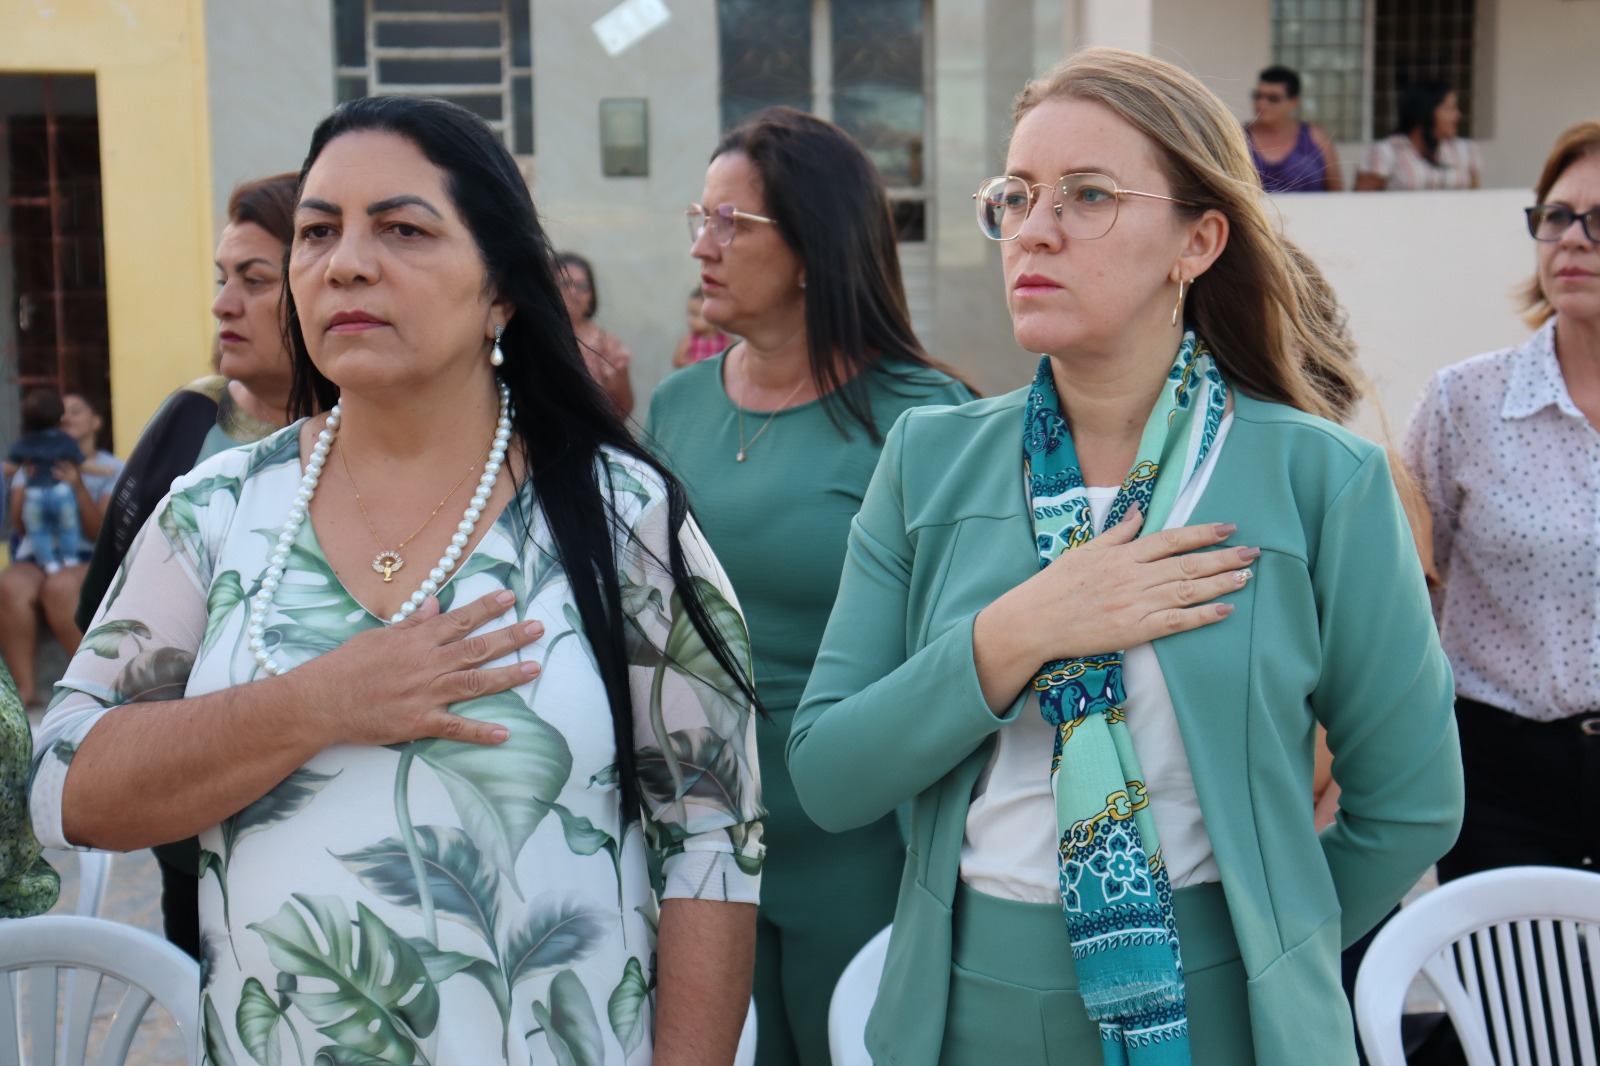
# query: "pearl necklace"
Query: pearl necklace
{"points": [[256, 627]]}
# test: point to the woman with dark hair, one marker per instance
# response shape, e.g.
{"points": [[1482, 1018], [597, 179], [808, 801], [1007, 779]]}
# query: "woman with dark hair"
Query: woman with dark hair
{"points": [[1108, 740], [1424, 152], [425, 796], [607, 357], [247, 400], [775, 440]]}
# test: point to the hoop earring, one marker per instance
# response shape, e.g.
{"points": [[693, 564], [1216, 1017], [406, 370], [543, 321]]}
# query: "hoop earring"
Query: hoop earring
{"points": [[497, 357], [1183, 283]]}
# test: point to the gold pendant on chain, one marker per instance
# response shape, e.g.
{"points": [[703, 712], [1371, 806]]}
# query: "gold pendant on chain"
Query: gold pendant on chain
{"points": [[387, 563]]}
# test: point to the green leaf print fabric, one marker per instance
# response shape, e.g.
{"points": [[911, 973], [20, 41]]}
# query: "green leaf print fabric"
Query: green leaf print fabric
{"points": [[434, 902]]}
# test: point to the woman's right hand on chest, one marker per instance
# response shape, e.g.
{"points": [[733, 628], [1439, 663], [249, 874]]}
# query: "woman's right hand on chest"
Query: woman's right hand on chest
{"points": [[392, 685], [1110, 594]]}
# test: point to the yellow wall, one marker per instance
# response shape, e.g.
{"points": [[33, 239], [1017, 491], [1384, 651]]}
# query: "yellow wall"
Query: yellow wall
{"points": [[148, 59]]}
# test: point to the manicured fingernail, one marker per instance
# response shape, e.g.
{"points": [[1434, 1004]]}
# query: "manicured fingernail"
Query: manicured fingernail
{"points": [[1224, 609], [1241, 576], [499, 733], [505, 597], [534, 629], [530, 668], [1246, 554], [1225, 529]]}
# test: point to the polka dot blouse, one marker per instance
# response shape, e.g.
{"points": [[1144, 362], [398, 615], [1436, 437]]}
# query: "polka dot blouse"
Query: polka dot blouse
{"points": [[1512, 472]]}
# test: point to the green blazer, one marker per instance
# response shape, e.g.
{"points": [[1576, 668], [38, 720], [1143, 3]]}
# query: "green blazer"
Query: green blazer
{"points": [[1335, 628]]}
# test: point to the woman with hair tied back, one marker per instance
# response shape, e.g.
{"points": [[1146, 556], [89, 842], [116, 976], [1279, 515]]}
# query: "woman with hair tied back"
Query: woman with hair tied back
{"points": [[1119, 729], [425, 797], [1492, 439], [775, 440]]}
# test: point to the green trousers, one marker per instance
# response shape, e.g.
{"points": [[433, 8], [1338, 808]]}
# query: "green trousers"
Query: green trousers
{"points": [[1014, 992], [823, 895]]}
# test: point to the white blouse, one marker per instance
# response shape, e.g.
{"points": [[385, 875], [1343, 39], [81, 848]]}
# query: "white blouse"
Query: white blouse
{"points": [[1011, 840], [1511, 469]]}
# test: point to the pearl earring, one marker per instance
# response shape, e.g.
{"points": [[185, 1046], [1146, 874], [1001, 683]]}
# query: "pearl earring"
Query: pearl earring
{"points": [[497, 357]]}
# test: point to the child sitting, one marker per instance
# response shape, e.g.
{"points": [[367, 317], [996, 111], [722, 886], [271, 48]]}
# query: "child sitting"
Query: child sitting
{"points": [[49, 508]]}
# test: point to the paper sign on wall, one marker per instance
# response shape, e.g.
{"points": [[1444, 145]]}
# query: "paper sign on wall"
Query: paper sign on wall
{"points": [[630, 21]]}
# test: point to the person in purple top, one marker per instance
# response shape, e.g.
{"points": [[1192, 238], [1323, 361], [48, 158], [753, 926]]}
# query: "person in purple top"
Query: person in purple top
{"points": [[49, 507], [1290, 155]]}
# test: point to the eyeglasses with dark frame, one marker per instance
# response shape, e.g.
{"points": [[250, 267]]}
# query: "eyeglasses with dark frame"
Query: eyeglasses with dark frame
{"points": [[1085, 204], [722, 220], [1549, 222]]}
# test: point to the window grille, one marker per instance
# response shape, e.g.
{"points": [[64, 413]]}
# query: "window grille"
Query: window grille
{"points": [[1324, 41], [1355, 56], [476, 53], [1421, 41], [861, 65]]}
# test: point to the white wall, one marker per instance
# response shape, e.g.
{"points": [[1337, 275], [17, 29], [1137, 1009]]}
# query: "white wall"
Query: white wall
{"points": [[631, 229], [1545, 76], [1426, 277], [269, 78]]}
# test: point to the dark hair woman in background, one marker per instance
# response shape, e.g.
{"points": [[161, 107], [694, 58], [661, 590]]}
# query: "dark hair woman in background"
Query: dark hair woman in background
{"points": [[607, 357], [246, 401], [775, 441], [1424, 152], [401, 794]]}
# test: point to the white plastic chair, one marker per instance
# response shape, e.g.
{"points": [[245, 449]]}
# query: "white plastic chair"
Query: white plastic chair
{"points": [[745, 1055], [1498, 947], [94, 876], [852, 1001], [88, 950]]}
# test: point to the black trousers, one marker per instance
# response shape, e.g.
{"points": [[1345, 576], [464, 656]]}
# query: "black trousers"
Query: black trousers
{"points": [[1533, 792]]}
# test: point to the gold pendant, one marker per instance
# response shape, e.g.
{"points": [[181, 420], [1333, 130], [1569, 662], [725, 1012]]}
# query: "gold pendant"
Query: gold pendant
{"points": [[386, 563]]}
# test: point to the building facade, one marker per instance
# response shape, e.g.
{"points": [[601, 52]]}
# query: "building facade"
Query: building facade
{"points": [[189, 97]]}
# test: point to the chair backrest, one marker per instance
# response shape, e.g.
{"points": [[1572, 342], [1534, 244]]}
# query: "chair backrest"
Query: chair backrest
{"points": [[746, 1053], [1513, 953], [88, 950], [852, 1001], [94, 876]]}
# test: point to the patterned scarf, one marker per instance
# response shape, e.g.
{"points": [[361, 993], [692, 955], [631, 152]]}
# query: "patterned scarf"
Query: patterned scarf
{"points": [[1114, 885]]}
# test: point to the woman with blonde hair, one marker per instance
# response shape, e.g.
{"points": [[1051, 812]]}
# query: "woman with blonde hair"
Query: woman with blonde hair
{"points": [[1122, 727], [1516, 608]]}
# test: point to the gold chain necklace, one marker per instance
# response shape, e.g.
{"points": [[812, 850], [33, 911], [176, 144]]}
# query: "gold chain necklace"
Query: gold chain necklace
{"points": [[745, 446], [388, 561]]}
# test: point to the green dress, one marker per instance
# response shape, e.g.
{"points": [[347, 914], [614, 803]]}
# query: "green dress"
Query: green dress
{"points": [[28, 885], [778, 523]]}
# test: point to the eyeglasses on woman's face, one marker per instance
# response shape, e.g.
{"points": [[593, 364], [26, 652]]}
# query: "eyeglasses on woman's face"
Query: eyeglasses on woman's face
{"points": [[1550, 222], [722, 221], [1085, 205]]}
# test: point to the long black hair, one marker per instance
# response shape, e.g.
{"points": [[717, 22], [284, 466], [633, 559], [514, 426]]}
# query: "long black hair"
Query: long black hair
{"points": [[1418, 102], [562, 419], [831, 209]]}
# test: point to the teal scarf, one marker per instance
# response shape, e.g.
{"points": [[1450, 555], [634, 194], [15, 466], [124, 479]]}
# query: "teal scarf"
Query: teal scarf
{"points": [[1114, 885]]}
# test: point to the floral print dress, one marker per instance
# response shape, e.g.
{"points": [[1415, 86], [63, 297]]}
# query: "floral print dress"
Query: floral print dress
{"points": [[434, 902]]}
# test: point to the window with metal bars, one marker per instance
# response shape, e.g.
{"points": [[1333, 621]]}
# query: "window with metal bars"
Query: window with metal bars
{"points": [[861, 65], [1355, 56], [476, 53]]}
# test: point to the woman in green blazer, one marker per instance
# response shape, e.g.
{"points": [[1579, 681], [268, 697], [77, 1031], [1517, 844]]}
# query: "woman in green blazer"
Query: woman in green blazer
{"points": [[1170, 734]]}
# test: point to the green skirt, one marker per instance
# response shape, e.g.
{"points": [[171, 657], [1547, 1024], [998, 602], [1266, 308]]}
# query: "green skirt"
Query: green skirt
{"points": [[1014, 991]]}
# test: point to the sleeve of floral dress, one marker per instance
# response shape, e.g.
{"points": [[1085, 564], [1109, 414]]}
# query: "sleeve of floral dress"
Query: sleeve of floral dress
{"points": [[694, 733], [140, 648]]}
